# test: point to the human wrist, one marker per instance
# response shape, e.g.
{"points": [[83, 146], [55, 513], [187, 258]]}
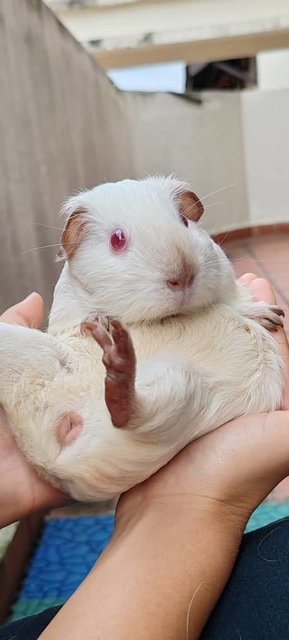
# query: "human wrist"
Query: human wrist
{"points": [[185, 510]]}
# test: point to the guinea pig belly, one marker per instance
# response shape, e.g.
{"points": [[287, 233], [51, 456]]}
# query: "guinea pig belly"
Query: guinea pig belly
{"points": [[181, 402], [237, 356]]}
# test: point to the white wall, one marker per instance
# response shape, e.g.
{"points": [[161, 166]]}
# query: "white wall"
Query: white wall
{"points": [[273, 69], [206, 18], [266, 139]]}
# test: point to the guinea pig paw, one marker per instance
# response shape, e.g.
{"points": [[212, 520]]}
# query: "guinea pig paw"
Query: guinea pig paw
{"points": [[268, 315]]}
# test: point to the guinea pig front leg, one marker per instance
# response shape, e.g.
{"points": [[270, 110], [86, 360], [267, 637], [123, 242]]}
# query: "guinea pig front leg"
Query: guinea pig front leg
{"points": [[120, 363]]}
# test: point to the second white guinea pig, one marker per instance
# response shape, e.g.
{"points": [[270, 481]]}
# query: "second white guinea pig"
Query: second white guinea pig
{"points": [[151, 343]]}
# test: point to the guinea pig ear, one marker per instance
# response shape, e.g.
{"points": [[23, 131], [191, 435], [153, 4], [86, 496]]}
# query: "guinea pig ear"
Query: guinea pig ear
{"points": [[190, 206], [73, 233]]}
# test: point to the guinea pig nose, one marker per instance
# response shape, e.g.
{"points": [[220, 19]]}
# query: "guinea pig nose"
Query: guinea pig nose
{"points": [[174, 285], [180, 283]]}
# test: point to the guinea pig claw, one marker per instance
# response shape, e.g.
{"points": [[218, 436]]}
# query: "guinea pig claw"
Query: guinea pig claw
{"points": [[279, 311], [95, 320], [268, 315]]}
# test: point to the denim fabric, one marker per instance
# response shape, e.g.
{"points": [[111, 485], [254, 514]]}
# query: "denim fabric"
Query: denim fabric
{"points": [[255, 603], [28, 628]]}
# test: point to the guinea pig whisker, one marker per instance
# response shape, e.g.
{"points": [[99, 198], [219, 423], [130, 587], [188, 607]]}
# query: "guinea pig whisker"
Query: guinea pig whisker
{"points": [[46, 246], [48, 226], [43, 247], [208, 195], [212, 261], [213, 204], [223, 239], [190, 207]]}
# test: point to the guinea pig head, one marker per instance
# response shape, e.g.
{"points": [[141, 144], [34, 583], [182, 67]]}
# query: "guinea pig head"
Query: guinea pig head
{"points": [[136, 250]]}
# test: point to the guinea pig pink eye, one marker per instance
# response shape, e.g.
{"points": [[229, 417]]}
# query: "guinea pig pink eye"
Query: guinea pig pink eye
{"points": [[185, 221], [118, 240]]}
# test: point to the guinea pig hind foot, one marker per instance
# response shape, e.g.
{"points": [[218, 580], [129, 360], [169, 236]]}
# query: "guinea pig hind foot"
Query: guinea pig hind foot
{"points": [[267, 315], [120, 363]]}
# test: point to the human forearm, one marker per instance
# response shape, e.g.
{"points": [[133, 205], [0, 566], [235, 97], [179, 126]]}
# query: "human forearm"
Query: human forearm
{"points": [[159, 578]]}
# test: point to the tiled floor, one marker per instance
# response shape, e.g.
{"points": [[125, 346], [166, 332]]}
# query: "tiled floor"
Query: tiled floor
{"points": [[268, 257]]}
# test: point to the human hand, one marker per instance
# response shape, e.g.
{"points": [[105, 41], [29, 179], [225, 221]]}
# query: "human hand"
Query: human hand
{"points": [[232, 469], [22, 491]]}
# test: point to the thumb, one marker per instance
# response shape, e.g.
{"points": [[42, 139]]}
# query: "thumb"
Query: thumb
{"points": [[28, 313]]}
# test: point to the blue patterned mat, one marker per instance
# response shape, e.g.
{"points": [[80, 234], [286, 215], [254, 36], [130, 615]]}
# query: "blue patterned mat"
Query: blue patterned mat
{"points": [[68, 548]]}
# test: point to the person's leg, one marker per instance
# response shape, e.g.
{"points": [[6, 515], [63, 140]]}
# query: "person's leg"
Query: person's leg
{"points": [[28, 628], [255, 603]]}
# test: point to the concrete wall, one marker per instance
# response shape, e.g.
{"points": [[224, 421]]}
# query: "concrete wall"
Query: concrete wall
{"points": [[62, 128], [201, 143]]}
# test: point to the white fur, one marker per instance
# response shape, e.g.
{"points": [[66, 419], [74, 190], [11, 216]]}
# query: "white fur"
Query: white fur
{"points": [[200, 361]]}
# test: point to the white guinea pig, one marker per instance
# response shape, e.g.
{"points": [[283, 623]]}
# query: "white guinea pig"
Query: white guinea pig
{"points": [[97, 407]]}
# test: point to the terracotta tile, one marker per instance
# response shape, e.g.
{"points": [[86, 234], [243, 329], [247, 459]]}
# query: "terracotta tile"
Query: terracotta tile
{"points": [[263, 229], [281, 227], [256, 231], [246, 265], [235, 234]]}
